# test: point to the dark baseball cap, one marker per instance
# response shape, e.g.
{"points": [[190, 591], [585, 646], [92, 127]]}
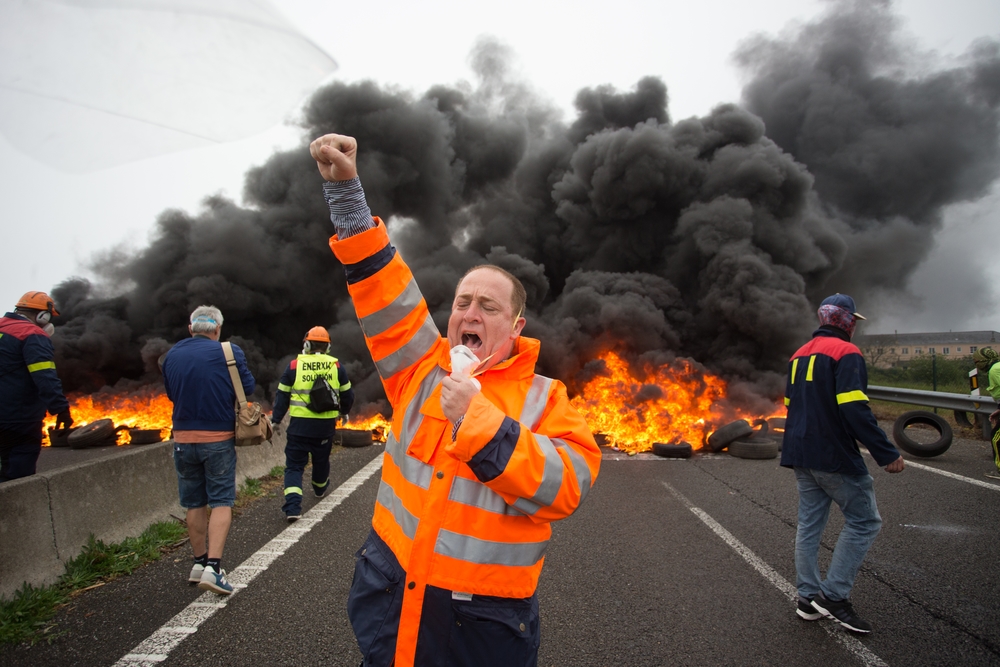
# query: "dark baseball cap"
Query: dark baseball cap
{"points": [[845, 302]]}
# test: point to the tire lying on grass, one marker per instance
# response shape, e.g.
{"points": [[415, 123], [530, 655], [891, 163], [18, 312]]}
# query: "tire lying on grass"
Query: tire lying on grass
{"points": [[916, 447], [94, 434], [680, 450], [756, 447], [724, 435]]}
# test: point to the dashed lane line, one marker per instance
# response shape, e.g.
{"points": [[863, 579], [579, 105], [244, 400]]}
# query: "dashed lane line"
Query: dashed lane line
{"points": [[855, 647], [155, 648]]}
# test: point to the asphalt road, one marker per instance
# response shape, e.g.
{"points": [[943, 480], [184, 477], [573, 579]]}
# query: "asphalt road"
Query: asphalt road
{"points": [[669, 562]]}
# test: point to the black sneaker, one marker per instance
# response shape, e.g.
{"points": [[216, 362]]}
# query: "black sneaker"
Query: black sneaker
{"points": [[843, 612], [321, 490], [806, 611], [293, 516]]}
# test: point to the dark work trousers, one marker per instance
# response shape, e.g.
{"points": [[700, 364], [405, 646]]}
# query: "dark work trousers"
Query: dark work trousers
{"points": [[19, 450], [996, 446], [297, 451]]}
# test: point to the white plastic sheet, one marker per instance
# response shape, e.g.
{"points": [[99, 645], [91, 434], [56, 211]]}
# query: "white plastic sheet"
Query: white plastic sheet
{"points": [[89, 84]]}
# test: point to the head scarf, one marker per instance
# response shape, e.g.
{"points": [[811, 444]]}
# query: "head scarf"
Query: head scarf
{"points": [[984, 358], [836, 316]]}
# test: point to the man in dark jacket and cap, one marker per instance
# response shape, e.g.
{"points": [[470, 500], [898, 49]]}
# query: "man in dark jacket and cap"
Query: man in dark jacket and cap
{"points": [[828, 414]]}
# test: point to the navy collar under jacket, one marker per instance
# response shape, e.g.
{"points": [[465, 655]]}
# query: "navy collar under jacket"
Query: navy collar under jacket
{"points": [[830, 330]]}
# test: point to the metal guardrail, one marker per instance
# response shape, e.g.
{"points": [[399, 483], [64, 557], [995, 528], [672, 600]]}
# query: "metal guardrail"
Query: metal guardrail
{"points": [[960, 403], [983, 405]]}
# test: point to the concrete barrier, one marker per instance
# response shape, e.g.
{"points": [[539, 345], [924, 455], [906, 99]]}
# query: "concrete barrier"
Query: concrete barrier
{"points": [[46, 519], [27, 544]]}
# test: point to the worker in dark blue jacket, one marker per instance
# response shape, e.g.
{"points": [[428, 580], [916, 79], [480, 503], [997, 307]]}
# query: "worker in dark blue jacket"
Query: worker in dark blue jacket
{"points": [[828, 415], [29, 384], [312, 426]]}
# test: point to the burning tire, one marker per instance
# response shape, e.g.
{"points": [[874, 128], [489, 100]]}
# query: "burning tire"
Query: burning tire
{"points": [[142, 436], [725, 435], [681, 450], [918, 447], [754, 448], [95, 434], [354, 438], [60, 437]]}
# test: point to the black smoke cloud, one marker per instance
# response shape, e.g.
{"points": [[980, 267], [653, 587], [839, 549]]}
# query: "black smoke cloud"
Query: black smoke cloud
{"points": [[706, 238]]}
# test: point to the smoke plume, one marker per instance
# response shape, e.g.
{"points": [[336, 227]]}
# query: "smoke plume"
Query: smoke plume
{"points": [[707, 238]]}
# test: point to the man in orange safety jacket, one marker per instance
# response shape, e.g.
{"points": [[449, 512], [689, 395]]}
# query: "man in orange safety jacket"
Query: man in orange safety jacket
{"points": [[475, 468]]}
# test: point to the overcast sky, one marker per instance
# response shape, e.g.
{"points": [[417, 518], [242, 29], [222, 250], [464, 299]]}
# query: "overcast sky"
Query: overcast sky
{"points": [[55, 220]]}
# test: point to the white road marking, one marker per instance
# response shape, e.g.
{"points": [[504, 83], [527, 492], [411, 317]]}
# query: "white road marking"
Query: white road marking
{"points": [[859, 650], [961, 478], [155, 648]]}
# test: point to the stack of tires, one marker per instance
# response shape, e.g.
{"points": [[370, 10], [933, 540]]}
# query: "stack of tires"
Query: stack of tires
{"points": [[741, 440]]}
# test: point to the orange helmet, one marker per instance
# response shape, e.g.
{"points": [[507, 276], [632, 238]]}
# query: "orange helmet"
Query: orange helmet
{"points": [[318, 334], [40, 301]]}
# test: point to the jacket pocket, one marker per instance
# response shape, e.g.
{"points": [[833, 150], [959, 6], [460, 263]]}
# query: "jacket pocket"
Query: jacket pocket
{"points": [[375, 601], [495, 631]]}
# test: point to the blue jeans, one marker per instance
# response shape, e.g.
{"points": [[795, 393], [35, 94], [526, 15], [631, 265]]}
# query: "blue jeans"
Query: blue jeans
{"points": [[206, 473], [855, 496]]}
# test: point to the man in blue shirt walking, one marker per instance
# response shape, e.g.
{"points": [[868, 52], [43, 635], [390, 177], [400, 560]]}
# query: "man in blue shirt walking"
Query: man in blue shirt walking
{"points": [[198, 383], [828, 414]]}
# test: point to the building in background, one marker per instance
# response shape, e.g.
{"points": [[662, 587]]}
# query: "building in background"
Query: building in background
{"points": [[885, 350]]}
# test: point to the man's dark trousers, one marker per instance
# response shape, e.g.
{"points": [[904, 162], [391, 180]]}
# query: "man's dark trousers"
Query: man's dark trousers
{"points": [[297, 452], [19, 450]]}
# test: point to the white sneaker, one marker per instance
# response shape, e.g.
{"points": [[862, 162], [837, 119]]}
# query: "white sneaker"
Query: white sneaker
{"points": [[195, 575], [215, 582]]}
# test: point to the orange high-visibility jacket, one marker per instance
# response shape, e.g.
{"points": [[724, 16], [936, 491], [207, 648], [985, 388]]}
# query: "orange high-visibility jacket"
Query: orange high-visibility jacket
{"points": [[445, 526]]}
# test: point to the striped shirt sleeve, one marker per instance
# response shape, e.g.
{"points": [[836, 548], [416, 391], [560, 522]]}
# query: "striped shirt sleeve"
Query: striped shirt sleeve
{"points": [[349, 211]]}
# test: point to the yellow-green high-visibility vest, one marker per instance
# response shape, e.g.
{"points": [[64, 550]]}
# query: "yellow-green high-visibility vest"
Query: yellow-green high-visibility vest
{"points": [[309, 367]]}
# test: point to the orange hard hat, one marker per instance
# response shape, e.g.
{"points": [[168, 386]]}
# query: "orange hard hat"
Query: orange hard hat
{"points": [[37, 301], [318, 334]]}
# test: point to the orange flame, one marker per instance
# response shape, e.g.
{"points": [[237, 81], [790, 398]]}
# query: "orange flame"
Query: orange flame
{"points": [[147, 408], [378, 425], [669, 404]]}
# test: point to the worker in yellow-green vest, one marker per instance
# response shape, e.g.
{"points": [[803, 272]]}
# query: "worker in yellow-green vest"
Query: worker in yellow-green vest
{"points": [[315, 391]]}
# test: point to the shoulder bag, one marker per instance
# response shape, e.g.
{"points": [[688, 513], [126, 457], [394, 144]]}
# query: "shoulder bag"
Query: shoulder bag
{"points": [[252, 426]]}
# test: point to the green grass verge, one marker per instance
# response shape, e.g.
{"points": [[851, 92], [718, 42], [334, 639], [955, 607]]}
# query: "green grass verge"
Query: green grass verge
{"points": [[27, 616]]}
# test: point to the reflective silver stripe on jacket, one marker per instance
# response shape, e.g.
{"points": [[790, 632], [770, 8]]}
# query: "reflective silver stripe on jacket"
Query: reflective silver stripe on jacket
{"points": [[300, 404], [580, 466], [414, 470], [475, 493], [401, 306], [409, 354], [388, 499], [552, 475], [535, 402], [485, 552]]}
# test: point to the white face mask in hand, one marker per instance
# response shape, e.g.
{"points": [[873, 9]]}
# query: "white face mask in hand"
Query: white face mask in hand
{"points": [[463, 364]]}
